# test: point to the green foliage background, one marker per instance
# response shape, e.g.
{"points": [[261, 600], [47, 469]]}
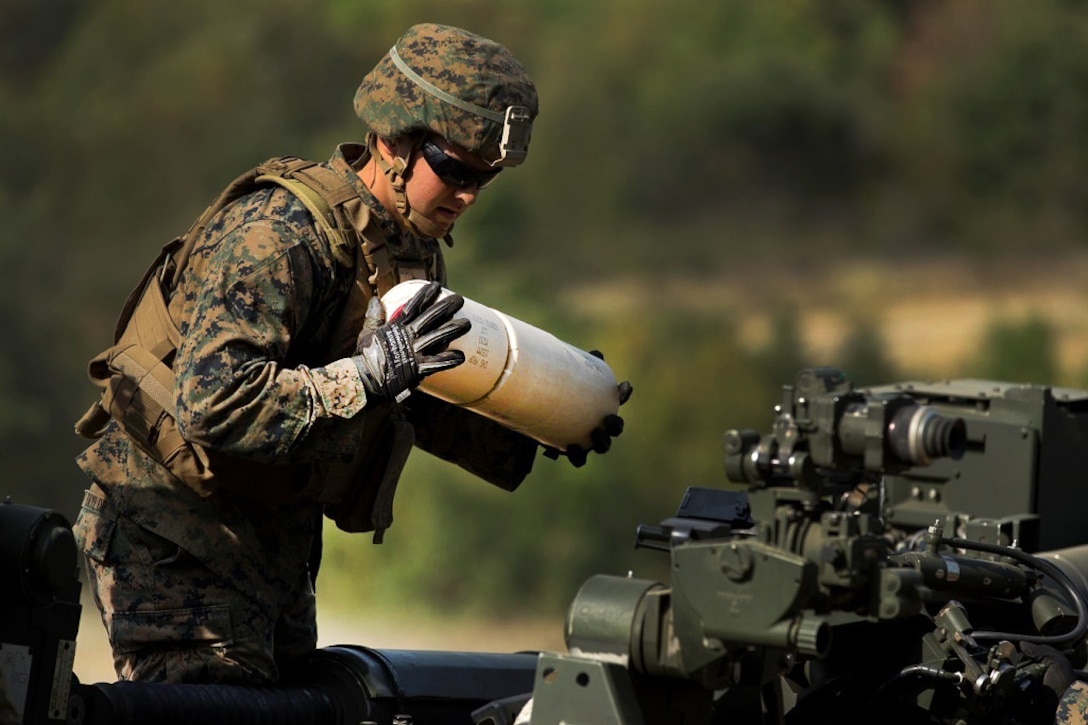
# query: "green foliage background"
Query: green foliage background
{"points": [[681, 144]]}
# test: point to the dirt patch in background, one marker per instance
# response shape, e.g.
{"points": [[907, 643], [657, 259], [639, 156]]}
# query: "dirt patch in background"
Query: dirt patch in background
{"points": [[931, 313]]}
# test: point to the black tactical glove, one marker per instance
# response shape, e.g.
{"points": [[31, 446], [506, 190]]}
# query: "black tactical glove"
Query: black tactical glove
{"points": [[601, 436], [1059, 674], [394, 356]]}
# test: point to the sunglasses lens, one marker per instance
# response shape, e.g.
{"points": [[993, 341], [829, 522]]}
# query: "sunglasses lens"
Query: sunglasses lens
{"points": [[454, 172]]}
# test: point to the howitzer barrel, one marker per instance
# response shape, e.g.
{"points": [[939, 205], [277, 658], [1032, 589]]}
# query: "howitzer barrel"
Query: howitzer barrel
{"points": [[342, 685], [138, 703]]}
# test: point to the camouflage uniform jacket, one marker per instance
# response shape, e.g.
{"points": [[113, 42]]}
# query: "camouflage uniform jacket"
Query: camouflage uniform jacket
{"points": [[262, 384], [1073, 706]]}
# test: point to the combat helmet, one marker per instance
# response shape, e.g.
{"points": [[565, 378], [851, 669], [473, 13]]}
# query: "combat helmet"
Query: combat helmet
{"points": [[463, 87]]}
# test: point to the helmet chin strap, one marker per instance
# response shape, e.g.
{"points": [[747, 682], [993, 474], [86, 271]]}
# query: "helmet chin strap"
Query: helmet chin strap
{"points": [[404, 148]]}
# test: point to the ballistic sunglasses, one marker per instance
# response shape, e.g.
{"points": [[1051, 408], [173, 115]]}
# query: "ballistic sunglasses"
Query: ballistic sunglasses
{"points": [[453, 172]]}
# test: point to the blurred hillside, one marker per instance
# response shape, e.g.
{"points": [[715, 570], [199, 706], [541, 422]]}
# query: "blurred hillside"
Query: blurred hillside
{"points": [[719, 193]]}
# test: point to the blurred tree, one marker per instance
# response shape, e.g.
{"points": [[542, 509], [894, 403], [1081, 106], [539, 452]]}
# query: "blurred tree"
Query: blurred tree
{"points": [[992, 141], [1018, 351], [784, 355], [863, 355], [30, 34]]}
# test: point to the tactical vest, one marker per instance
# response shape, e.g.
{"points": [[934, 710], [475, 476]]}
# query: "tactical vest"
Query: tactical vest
{"points": [[137, 379]]}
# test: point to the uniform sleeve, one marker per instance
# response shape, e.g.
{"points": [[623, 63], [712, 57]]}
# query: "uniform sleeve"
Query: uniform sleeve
{"points": [[251, 297], [1073, 706]]}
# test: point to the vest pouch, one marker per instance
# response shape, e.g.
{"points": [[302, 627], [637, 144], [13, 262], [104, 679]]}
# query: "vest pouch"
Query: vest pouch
{"points": [[138, 394], [359, 494], [138, 391], [92, 424], [185, 460]]}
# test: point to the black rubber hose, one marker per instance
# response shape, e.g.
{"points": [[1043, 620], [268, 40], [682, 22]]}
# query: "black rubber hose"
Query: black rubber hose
{"points": [[1044, 566]]}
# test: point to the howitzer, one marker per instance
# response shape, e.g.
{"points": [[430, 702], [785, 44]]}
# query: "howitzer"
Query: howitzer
{"points": [[878, 568], [873, 559]]}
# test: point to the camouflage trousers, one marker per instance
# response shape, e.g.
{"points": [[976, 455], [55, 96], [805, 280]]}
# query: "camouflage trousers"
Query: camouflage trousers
{"points": [[170, 618]]}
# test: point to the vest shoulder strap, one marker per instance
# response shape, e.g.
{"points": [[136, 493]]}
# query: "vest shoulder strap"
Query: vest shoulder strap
{"points": [[319, 189], [322, 201]]}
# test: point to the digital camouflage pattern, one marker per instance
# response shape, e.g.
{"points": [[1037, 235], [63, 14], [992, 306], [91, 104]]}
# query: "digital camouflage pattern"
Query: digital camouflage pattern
{"points": [[1073, 707], [256, 307], [467, 66], [151, 590], [216, 587]]}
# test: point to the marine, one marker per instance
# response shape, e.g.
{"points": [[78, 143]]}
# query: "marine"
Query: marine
{"points": [[256, 383]]}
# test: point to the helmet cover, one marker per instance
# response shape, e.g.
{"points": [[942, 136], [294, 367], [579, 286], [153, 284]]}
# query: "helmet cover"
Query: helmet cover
{"points": [[467, 89]]}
